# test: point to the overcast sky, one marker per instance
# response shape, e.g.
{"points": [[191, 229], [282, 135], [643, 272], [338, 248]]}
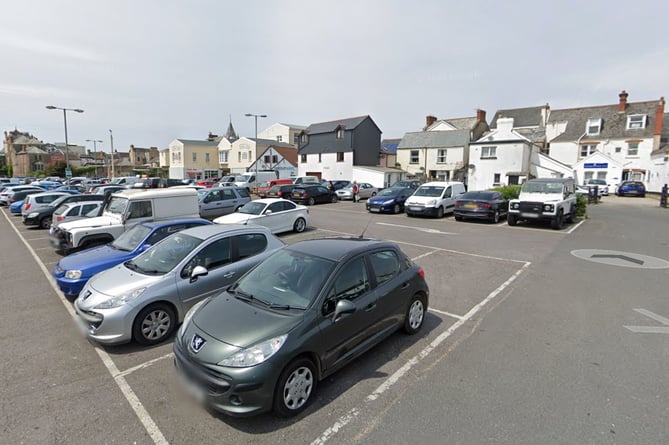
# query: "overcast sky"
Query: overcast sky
{"points": [[156, 70]]}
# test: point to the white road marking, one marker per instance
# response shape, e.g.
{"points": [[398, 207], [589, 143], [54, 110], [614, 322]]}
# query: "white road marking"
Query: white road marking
{"points": [[576, 226], [650, 329], [35, 239], [145, 364], [448, 314], [423, 255], [421, 229], [43, 248], [390, 381], [141, 412]]}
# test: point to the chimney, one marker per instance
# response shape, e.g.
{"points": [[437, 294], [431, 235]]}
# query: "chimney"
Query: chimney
{"points": [[623, 101], [429, 120], [480, 115], [659, 118]]}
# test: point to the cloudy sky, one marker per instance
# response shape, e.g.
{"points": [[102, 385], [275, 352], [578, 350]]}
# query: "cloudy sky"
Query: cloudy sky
{"points": [[156, 70]]}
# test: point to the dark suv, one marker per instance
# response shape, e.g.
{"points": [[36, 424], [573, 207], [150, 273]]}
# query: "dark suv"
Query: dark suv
{"points": [[312, 194], [157, 183], [281, 191]]}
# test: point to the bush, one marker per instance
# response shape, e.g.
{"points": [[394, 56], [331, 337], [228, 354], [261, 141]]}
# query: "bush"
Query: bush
{"points": [[509, 191], [581, 205]]}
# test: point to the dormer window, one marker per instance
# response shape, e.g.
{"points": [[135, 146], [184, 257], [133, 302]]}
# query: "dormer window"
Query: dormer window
{"points": [[305, 139], [340, 133], [594, 126], [636, 121]]}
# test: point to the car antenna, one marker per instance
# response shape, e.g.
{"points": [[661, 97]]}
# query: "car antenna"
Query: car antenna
{"points": [[362, 235]]}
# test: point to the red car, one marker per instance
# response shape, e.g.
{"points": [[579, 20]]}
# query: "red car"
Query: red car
{"points": [[209, 183]]}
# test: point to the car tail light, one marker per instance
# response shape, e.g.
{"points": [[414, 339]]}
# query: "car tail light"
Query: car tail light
{"points": [[279, 194], [485, 205], [60, 218], [28, 206], [458, 203], [421, 272]]}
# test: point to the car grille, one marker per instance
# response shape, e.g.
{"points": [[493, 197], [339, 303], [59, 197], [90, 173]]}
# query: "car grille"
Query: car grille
{"points": [[531, 207], [215, 383]]}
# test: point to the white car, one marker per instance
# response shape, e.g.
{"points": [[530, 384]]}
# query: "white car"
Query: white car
{"points": [[277, 214], [365, 191], [602, 186]]}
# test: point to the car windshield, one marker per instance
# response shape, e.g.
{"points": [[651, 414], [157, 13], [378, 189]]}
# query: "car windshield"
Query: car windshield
{"points": [[542, 187], [253, 208], [130, 239], [201, 194], [57, 202], [93, 212], [116, 205], [287, 279], [389, 192], [485, 196], [164, 256], [429, 191]]}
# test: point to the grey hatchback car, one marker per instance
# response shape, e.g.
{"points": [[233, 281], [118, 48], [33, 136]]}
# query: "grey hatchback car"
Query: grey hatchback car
{"points": [[219, 201], [296, 318], [145, 298]]}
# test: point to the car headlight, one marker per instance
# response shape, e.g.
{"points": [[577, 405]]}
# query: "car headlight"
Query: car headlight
{"points": [[33, 215], [385, 203], [548, 207], [255, 354], [120, 300], [73, 274], [515, 205], [431, 202]]}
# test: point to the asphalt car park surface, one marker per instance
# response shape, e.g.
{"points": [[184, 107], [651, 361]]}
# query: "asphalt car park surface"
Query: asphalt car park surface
{"points": [[59, 388]]}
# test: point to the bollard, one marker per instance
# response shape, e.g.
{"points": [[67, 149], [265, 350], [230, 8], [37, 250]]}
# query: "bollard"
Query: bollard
{"points": [[663, 196]]}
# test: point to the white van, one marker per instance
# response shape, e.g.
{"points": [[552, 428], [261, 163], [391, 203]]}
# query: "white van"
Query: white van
{"points": [[249, 181], [306, 180], [125, 180], [434, 199]]}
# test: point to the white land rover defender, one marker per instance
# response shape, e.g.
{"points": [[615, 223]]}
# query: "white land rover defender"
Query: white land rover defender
{"points": [[551, 199]]}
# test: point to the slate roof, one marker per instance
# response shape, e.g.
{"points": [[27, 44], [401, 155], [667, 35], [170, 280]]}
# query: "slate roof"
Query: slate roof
{"points": [[390, 145], [614, 123], [331, 126], [288, 153], [463, 123], [197, 142], [272, 142], [522, 117], [434, 139]]}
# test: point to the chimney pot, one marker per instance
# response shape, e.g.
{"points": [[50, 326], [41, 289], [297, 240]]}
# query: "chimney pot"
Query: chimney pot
{"points": [[429, 120], [623, 101], [480, 115]]}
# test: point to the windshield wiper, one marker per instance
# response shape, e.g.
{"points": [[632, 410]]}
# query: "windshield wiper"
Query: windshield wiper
{"points": [[286, 307], [245, 296]]}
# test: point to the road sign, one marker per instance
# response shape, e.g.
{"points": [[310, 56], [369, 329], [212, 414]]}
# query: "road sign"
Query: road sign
{"points": [[68, 173]]}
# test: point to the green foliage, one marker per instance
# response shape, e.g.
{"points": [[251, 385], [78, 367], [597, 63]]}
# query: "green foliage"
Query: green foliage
{"points": [[57, 169], [581, 205], [509, 191]]}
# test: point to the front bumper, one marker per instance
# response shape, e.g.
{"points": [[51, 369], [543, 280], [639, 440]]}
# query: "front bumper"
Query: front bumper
{"points": [[413, 209], [106, 326], [30, 221], [237, 392]]}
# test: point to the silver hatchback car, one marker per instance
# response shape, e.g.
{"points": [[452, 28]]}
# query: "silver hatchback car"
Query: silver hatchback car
{"points": [[144, 299]]}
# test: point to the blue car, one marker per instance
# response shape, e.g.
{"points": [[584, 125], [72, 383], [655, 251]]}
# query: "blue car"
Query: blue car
{"points": [[631, 188], [72, 272], [15, 207], [390, 200]]}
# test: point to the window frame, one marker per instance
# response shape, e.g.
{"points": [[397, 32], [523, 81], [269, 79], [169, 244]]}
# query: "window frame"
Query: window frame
{"points": [[591, 123], [489, 152], [442, 155], [633, 122], [414, 156]]}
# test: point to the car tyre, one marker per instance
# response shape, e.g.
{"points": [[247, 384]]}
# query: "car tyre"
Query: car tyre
{"points": [[153, 324], [458, 217], [333, 199], [396, 209], [511, 220], [415, 316], [556, 223], [495, 217], [45, 222], [311, 201], [300, 225], [294, 388], [440, 212]]}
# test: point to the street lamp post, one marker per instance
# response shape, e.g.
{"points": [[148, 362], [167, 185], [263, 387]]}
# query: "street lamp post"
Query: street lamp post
{"points": [[256, 116], [111, 138], [95, 153], [67, 147]]}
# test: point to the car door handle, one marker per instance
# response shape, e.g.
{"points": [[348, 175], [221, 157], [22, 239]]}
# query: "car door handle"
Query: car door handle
{"points": [[228, 275], [405, 285], [370, 307]]}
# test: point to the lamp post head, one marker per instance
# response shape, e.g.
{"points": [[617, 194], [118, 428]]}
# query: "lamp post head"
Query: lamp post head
{"points": [[51, 107], [263, 115], [78, 110], [247, 114]]}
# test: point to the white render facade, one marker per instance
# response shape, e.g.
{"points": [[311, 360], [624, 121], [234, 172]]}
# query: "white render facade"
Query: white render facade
{"points": [[288, 134], [326, 165]]}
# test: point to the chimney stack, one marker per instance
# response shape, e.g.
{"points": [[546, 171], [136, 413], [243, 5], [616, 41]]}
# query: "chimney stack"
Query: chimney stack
{"points": [[659, 117], [429, 120], [623, 101], [480, 115]]}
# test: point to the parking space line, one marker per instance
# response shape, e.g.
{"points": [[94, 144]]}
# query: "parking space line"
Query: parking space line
{"points": [[397, 375], [576, 226], [423, 255], [448, 314], [144, 365], [422, 229], [37, 239], [43, 248], [139, 409]]}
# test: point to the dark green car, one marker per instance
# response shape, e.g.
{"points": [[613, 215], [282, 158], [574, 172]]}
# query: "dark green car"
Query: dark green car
{"points": [[297, 317]]}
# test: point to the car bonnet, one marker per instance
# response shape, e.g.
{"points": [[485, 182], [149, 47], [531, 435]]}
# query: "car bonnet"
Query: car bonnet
{"points": [[95, 259], [242, 324], [117, 281]]}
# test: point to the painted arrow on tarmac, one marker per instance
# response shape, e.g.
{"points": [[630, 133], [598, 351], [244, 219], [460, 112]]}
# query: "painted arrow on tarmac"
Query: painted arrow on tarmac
{"points": [[619, 257], [650, 329]]}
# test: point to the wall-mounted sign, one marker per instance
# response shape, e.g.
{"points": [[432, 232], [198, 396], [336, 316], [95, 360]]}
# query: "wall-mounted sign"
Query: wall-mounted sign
{"points": [[596, 165]]}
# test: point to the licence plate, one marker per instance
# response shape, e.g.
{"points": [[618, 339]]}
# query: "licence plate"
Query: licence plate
{"points": [[415, 209], [372, 209], [470, 205], [529, 215]]}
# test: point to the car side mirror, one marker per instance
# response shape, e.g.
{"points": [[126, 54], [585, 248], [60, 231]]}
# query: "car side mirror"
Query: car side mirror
{"points": [[268, 212], [343, 308], [144, 247], [198, 271]]}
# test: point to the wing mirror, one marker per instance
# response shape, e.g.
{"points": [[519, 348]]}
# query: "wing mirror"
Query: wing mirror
{"points": [[343, 308], [198, 271]]}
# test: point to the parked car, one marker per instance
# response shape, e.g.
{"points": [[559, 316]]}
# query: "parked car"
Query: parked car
{"points": [[73, 189], [218, 201], [279, 215], [156, 183], [294, 320], [365, 191], [21, 197], [312, 194], [390, 200], [73, 271], [226, 181], [407, 183], [145, 298], [263, 187], [71, 210], [337, 183], [631, 188], [43, 216], [39, 200], [281, 191], [602, 186], [46, 185], [299, 180], [434, 199], [488, 205], [208, 183], [7, 193], [15, 208]]}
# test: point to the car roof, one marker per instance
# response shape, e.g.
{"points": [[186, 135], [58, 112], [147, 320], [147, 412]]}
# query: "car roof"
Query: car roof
{"points": [[207, 231], [337, 248], [174, 222], [552, 180]]}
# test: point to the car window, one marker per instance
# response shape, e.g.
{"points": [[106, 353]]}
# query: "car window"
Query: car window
{"points": [[140, 209], [216, 254], [87, 208], [275, 207], [164, 232], [250, 244], [288, 205], [243, 193], [227, 193], [351, 282], [385, 264]]}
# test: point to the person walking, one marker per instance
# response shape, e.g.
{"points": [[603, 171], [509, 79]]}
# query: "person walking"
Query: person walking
{"points": [[355, 192]]}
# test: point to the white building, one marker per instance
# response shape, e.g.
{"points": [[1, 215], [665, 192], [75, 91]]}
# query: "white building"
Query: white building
{"points": [[286, 133]]}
